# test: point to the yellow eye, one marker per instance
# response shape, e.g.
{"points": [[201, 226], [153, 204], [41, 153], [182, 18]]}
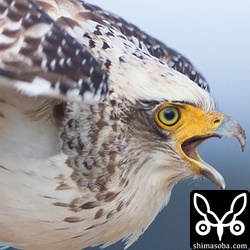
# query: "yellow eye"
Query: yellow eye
{"points": [[169, 116]]}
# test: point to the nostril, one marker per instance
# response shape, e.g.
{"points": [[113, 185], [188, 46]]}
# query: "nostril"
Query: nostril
{"points": [[216, 121]]}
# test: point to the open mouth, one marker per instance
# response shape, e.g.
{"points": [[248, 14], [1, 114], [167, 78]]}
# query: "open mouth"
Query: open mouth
{"points": [[189, 148], [188, 145]]}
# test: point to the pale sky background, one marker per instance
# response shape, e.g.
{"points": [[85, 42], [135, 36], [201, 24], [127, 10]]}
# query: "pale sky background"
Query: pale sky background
{"points": [[215, 36]]}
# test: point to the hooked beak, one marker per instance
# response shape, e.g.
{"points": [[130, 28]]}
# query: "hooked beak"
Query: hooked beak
{"points": [[227, 127]]}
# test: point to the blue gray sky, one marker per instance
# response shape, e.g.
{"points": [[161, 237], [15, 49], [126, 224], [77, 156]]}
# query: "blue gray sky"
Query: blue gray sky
{"points": [[215, 36]]}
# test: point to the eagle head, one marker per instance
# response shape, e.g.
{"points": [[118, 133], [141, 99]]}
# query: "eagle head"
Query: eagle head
{"points": [[168, 116], [143, 138]]}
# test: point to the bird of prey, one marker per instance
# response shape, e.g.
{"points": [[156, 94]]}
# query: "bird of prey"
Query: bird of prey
{"points": [[98, 121]]}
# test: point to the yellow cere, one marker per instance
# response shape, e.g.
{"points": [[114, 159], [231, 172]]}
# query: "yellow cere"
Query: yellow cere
{"points": [[184, 121]]}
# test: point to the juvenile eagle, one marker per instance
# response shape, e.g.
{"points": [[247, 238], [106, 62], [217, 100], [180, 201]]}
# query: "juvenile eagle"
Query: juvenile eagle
{"points": [[98, 121]]}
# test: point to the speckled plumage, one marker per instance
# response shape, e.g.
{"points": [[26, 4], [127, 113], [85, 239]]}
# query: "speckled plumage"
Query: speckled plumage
{"points": [[49, 62], [83, 162]]}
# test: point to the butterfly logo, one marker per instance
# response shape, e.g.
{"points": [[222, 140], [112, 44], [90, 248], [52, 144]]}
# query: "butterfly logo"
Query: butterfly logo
{"points": [[203, 226]]}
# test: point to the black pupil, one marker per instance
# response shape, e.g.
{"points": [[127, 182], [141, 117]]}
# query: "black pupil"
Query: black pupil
{"points": [[169, 114]]}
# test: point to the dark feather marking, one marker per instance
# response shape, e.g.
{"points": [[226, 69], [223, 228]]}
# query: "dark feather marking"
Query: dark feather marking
{"points": [[111, 168], [99, 213], [110, 214], [88, 205], [107, 64], [97, 32], [22, 7], [109, 34], [73, 219], [154, 46], [47, 197], [62, 229], [120, 206], [87, 35], [105, 46], [110, 196], [63, 186], [56, 45], [122, 59], [11, 33], [14, 16], [60, 204], [60, 177], [122, 181], [129, 201], [2, 167], [91, 227], [59, 112], [91, 44]]}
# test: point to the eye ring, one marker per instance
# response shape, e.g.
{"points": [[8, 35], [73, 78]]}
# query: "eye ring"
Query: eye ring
{"points": [[169, 116]]}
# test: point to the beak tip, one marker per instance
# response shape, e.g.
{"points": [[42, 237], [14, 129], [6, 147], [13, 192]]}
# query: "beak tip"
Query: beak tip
{"points": [[241, 137], [214, 176], [223, 186], [243, 143]]}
